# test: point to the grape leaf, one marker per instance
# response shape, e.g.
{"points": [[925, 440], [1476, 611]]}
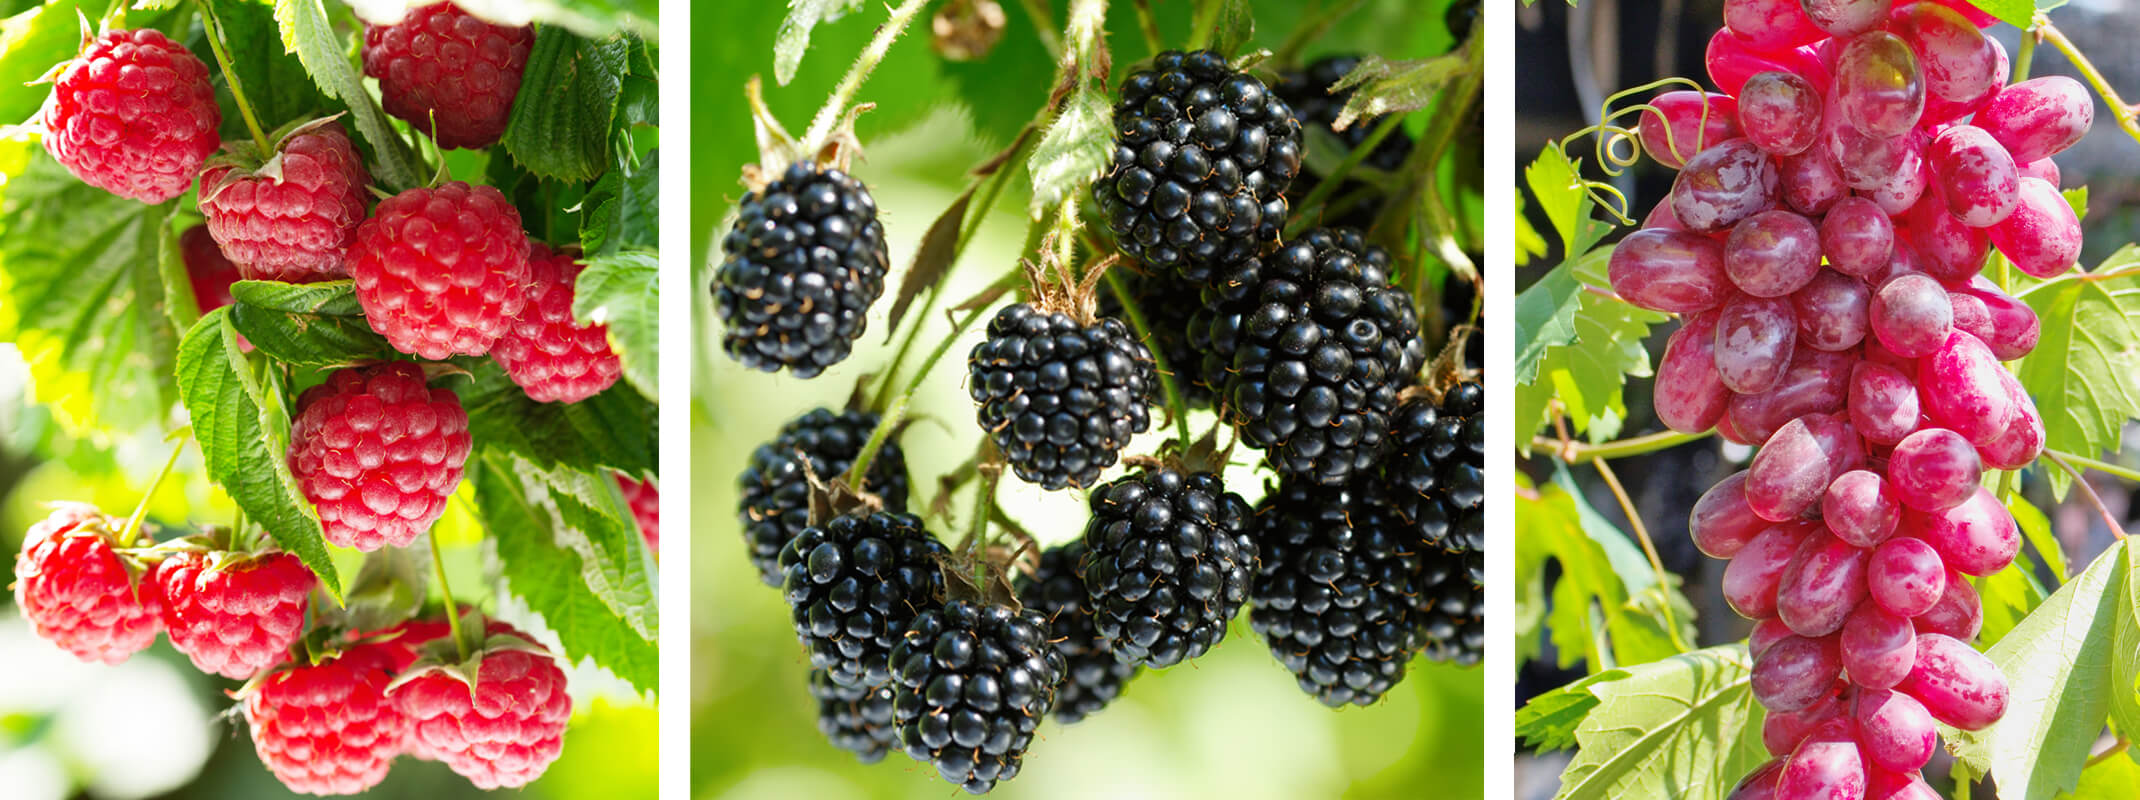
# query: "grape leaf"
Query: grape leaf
{"points": [[307, 32], [1684, 727], [1588, 372], [2124, 688], [614, 430], [1549, 721], [2081, 371], [243, 437], [623, 291], [309, 324], [1592, 590], [2113, 778], [1558, 185], [2017, 13], [561, 123]]}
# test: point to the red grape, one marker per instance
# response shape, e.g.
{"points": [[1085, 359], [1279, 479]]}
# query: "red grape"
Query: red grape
{"points": [[1905, 576], [1812, 182], [1977, 537], [1903, 189], [1754, 339], [2014, 329], [2042, 236], [1783, 731], [2043, 168], [1846, 17], [1721, 185], [1958, 613], [2022, 441], [1894, 729], [1721, 522], [1867, 162], [1795, 672], [1690, 122], [1961, 387], [1976, 176], [1911, 315], [1955, 682], [1731, 59], [1958, 61], [1772, 253], [2038, 117], [1827, 766], [1934, 469], [1884, 784], [1688, 395], [1817, 382], [1754, 573], [1821, 585], [1857, 237], [1950, 249], [1766, 632], [1788, 474], [1878, 647], [1771, 25], [1878, 88], [1860, 508], [1883, 403], [1759, 784], [1832, 310], [1669, 271], [1780, 112]]}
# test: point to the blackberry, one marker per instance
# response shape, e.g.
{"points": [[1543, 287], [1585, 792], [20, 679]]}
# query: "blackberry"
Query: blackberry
{"points": [[1168, 303], [1437, 466], [1202, 159], [973, 682], [1168, 563], [1093, 676], [776, 492], [1336, 594], [858, 721], [1450, 608], [1314, 344], [854, 584], [1060, 397], [802, 265]]}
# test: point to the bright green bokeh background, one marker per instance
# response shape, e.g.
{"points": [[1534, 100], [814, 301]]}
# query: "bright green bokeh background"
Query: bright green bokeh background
{"points": [[1231, 724]]}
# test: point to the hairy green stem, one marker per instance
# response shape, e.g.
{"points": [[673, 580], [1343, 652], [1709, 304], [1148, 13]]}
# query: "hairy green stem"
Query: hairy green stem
{"points": [[1149, 26], [230, 74], [1167, 386], [1204, 22], [889, 422], [829, 114]]}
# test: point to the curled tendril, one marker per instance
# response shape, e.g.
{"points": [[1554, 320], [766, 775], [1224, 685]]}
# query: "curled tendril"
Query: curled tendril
{"points": [[1616, 146]]}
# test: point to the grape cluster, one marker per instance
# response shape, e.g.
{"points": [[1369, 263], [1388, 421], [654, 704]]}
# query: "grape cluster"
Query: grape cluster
{"points": [[1833, 208]]}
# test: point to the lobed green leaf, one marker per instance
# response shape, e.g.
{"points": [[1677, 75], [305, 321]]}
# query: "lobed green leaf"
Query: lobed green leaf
{"points": [[2081, 372]]}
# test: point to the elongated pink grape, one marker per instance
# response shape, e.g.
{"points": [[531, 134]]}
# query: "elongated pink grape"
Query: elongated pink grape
{"points": [[1811, 181], [1721, 522], [1940, 110], [2013, 326], [1669, 271], [1958, 613], [1977, 537], [1960, 387], [1823, 582], [1759, 784], [1884, 784], [1860, 508], [1796, 672], [1894, 729], [1866, 161], [1817, 382], [1772, 253], [1934, 469], [1957, 60], [2022, 441], [1906, 576], [1832, 311], [1753, 575], [1846, 17], [2042, 236], [1783, 731], [1956, 683], [2038, 117], [1911, 315], [1905, 188], [1771, 25], [1729, 429], [1726, 183], [1878, 88], [2043, 168], [1754, 337], [1691, 122], [1976, 176], [1884, 406], [1780, 112], [1878, 646], [1827, 766], [1951, 251], [1857, 237], [1661, 218], [1688, 395], [1840, 442], [1731, 59], [1788, 474], [1766, 632]]}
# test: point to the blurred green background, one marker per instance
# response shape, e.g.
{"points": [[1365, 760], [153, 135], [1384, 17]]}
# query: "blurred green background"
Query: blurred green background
{"points": [[1231, 724]]}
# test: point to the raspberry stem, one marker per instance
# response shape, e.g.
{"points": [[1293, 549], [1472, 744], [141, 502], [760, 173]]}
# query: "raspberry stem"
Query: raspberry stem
{"points": [[453, 611], [237, 91], [141, 509], [836, 105]]}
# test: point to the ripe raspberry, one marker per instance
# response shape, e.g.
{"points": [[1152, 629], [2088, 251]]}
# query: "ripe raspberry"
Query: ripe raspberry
{"points": [[293, 218], [449, 74], [1092, 677], [133, 115], [1334, 599], [440, 271], [1060, 397], [854, 583], [776, 492], [1203, 156], [1168, 564], [234, 614], [1439, 456], [328, 728], [79, 594], [1168, 303], [801, 267], [1315, 344], [858, 721], [498, 721], [207, 269], [645, 501], [547, 352], [378, 452], [973, 683]]}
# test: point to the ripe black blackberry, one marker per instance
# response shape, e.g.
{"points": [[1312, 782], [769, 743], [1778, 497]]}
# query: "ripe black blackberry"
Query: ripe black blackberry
{"points": [[1335, 597], [801, 267], [972, 683], [1202, 159], [1092, 676], [776, 491], [1060, 396], [1168, 303], [854, 584], [1168, 563], [858, 721], [1315, 345], [1438, 468], [1450, 609]]}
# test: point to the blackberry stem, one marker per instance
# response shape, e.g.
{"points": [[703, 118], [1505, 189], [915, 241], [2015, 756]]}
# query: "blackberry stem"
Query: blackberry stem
{"points": [[453, 611], [877, 437], [1442, 125], [1329, 184], [230, 75], [1204, 23], [141, 509], [1149, 27], [1175, 407], [829, 115]]}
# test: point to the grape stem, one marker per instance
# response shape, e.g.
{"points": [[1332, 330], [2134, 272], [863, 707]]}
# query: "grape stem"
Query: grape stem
{"points": [[2088, 490], [2117, 747], [2105, 467], [1576, 453], [1649, 548], [836, 105], [2128, 120]]}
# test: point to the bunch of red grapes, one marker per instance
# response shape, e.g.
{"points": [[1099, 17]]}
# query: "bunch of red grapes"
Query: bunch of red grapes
{"points": [[1823, 241]]}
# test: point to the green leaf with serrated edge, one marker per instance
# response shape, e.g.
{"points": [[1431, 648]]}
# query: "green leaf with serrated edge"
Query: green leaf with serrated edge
{"points": [[243, 452], [615, 429], [794, 37], [1588, 373], [1074, 149], [2124, 688], [1377, 87], [1548, 721], [1620, 551], [309, 324], [307, 32], [326, 298], [2058, 663], [1236, 26], [622, 208], [2081, 372], [81, 296], [1557, 184], [1591, 608], [544, 564], [560, 127], [1677, 728], [1545, 319], [2006, 597], [589, 517], [2116, 777], [623, 291], [179, 305], [31, 43], [276, 84], [2036, 530]]}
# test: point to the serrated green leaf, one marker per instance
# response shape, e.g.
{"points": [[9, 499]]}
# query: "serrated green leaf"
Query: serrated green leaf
{"points": [[2059, 667], [276, 84], [2124, 689], [1594, 616], [2081, 372], [1236, 25], [309, 324], [180, 305], [794, 37], [1587, 371], [1379, 87], [307, 32], [613, 430], [2007, 597], [1557, 184], [1677, 728], [562, 118], [1549, 721], [243, 443], [623, 208], [623, 291], [1073, 150]]}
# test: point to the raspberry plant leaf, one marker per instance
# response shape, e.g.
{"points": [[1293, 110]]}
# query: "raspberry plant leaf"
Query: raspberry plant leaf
{"points": [[622, 208], [31, 43], [180, 304], [243, 435], [307, 32], [615, 429], [311, 324], [2081, 371], [276, 85], [561, 121], [1683, 727], [623, 291]]}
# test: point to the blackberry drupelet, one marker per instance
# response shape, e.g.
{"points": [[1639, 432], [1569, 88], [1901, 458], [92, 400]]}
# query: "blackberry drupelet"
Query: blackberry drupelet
{"points": [[1168, 304], [1437, 468], [858, 721], [1168, 563], [854, 584], [1450, 609], [801, 267], [776, 491], [1060, 397], [1093, 676], [1202, 159], [1335, 597], [1315, 345], [973, 682]]}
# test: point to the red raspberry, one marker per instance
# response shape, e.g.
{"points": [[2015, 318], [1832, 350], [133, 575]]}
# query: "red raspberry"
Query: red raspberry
{"points": [[210, 272], [552, 356], [328, 728], [378, 452], [79, 594], [498, 724], [439, 271], [439, 61], [293, 218], [234, 614], [133, 115], [645, 501]]}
